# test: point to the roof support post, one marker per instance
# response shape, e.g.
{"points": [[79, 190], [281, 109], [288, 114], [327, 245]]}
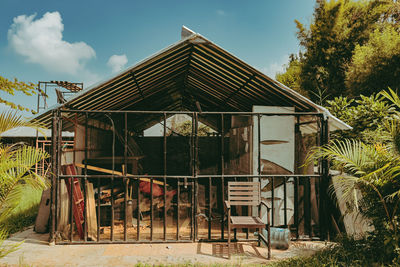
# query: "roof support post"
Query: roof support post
{"points": [[54, 161], [165, 174], [58, 166], [192, 164], [126, 180], [222, 174], [85, 224], [324, 215], [196, 159]]}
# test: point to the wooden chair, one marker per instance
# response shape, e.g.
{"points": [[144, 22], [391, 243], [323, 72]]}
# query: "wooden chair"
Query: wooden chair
{"points": [[247, 194]]}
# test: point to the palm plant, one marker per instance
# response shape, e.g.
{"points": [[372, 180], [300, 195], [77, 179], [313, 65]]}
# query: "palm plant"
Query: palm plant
{"points": [[372, 171], [16, 173], [369, 169]]}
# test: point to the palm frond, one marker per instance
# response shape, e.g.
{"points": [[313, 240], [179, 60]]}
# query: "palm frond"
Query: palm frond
{"points": [[21, 159], [6, 249], [348, 186], [350, 156], [392, 127], [391, 96], [16, 172], [392, 196], [353, 156], [10, 120]]}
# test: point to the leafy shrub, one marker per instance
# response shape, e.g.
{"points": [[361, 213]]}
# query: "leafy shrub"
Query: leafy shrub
{"points": [[20, 220], [370, 167], [366, 115]]}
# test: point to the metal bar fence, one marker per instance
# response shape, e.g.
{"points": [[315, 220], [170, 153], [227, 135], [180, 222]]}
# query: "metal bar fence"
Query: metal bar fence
{"points": [[192, 180]]}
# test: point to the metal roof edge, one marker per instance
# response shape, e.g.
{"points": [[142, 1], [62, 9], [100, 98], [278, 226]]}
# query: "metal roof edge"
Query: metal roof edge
{"points": [[341, 124], [55, 106]]}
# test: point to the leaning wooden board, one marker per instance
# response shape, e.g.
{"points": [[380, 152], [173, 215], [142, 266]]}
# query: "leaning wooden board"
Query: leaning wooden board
{"points": [[94, 168], [42, 219], [91, 212]]}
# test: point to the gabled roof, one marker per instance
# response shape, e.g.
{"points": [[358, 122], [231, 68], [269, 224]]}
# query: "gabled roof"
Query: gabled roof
{"points": [[193, 69]]}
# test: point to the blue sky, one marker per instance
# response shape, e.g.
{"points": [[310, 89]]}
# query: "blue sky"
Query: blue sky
{"points": [[75, 40]]}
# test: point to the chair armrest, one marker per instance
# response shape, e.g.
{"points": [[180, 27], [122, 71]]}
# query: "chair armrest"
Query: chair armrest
{"points": [[262, 203], [265, 204], [227, 204]]}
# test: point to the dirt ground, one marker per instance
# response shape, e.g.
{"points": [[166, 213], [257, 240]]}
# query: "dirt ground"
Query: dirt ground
{"points": [[36, 251]]}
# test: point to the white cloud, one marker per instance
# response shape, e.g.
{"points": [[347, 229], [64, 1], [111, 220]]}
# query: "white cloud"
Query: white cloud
{"points": [[88, 78], [221, 12], [41, 41], [275, 67], [117, 62]]}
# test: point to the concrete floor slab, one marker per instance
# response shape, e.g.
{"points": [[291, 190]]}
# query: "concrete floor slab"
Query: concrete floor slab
{"points": [[36, 251]]}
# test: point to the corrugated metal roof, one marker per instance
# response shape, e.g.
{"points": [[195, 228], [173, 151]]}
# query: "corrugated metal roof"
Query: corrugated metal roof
{"points": [[193, 69]]}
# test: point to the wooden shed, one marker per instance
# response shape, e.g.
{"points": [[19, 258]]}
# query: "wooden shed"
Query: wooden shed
{"points": [[120, 183]]}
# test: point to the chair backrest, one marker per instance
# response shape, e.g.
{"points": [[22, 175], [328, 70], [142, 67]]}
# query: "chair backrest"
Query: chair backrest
{"points": [[244, 193]]}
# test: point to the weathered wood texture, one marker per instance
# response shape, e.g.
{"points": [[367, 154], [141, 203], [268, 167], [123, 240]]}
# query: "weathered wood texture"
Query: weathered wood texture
{"points": [[91, 212]]}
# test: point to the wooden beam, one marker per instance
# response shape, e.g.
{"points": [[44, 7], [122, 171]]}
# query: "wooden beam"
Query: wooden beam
{"points": [[98, 169], [137, 84], [240, 88], [307, 122], [184, 82]]}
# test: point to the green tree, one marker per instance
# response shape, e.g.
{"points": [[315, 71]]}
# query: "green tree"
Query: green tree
{"points": [[291, 77], [366, 115], [376, 64], [11, 87], [329, 45]]}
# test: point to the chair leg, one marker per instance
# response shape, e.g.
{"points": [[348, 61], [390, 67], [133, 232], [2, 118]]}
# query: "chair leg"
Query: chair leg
{"points": [[229, 240], [269, 241], [259, 238]]}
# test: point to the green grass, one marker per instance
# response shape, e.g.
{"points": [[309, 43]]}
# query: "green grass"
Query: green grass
{"points": [[24, 214]]}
